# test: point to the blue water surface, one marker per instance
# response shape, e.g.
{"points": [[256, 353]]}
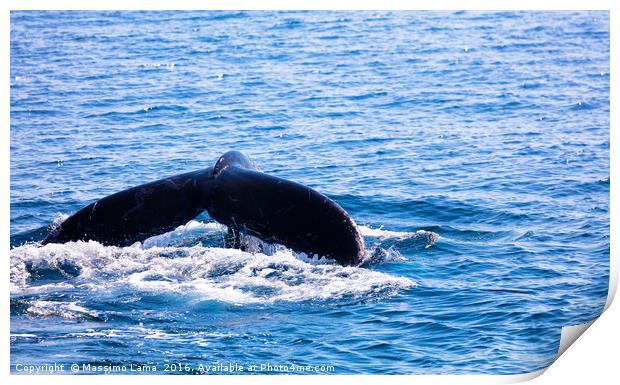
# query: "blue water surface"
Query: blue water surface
{"points": [[471, 148]]}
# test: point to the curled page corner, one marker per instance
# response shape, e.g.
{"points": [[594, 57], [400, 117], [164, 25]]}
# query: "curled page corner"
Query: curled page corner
{"points": [[613, 282], [570, 335]]}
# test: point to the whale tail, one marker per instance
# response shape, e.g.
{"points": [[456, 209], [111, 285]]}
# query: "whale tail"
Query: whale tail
{"points": [[235, 194]]}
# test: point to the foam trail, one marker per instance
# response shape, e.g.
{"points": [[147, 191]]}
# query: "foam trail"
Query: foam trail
{"points": [[429, 236]]}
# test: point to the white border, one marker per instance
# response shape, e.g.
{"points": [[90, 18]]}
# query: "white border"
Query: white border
{"points": [[597, 350]]}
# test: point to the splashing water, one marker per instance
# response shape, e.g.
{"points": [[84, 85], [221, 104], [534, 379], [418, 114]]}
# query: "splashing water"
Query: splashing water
{"points": [[160, 264]]}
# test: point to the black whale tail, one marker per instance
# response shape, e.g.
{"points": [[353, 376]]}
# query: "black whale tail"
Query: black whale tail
{"points": [[235, 194]]}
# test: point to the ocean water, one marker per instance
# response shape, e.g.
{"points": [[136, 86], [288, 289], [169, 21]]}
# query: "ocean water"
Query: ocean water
{"points": [[472, 149]]}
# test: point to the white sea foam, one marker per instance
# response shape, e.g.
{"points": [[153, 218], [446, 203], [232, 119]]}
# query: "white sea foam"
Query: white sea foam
{"points": [[205, 273]]}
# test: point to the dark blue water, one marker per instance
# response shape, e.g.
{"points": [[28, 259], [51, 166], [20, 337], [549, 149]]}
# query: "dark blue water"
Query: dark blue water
{"points": [[471, 148]]}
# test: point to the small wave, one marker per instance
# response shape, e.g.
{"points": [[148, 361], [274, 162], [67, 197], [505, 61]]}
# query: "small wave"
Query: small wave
{"points": [[168, 66], [583, 105], [68, 310], [204, 273], [200, 338], [382, 234], [134, 111], [288, 24]]}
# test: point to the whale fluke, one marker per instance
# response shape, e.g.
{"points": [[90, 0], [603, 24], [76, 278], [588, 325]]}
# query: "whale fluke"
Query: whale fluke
{"points": [[235, 194]]}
